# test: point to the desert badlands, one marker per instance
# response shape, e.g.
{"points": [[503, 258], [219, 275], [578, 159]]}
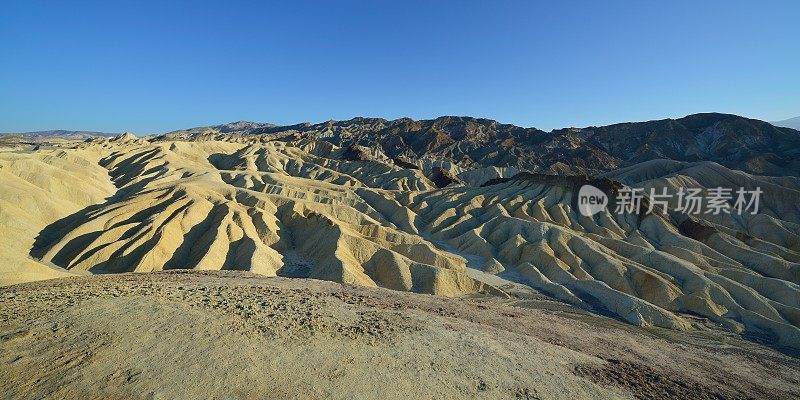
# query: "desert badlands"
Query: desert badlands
{"points": [[399, 259]]}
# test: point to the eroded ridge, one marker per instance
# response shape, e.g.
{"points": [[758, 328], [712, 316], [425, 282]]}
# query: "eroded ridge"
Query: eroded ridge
{"points": [[307, 208]]}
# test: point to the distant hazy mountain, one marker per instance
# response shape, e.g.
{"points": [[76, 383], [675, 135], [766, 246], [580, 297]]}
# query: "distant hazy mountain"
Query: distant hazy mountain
{"points": [[229, 128], [60, 134], [793, 123]]}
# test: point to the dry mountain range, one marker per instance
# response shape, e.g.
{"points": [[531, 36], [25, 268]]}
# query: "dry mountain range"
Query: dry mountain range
{"points": [[456, 206], [749, 145]]}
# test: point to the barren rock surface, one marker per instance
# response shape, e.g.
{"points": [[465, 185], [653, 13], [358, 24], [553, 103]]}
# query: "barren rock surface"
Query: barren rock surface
{"points": [[306, 209], [236, 334], [422, 264]]}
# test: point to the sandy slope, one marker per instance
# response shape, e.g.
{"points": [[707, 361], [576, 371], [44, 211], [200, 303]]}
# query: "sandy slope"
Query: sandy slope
{"points": [[306, 208], [38, 188], [237, 335]]}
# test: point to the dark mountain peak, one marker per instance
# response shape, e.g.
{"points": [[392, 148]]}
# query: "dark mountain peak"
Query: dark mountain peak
{"points": [[242, 126], [366, 120], [706, 118]]}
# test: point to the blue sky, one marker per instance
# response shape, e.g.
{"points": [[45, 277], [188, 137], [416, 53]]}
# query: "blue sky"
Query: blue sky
{"points": [[148, 66]]}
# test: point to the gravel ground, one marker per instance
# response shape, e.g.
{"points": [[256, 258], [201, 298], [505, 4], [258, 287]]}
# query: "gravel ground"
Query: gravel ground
{"points": [[237, 335]]}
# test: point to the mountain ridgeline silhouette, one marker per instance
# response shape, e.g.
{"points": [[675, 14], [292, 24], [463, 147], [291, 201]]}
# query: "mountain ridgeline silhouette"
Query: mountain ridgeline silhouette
{"points": [[749, 145]]}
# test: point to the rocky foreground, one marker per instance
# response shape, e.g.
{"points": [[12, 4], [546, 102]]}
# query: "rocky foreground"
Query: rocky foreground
{"points": [[231, 334]]}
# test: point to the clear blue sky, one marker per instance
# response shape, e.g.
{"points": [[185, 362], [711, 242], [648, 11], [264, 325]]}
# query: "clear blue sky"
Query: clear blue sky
{"points": [[149, 66]]}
